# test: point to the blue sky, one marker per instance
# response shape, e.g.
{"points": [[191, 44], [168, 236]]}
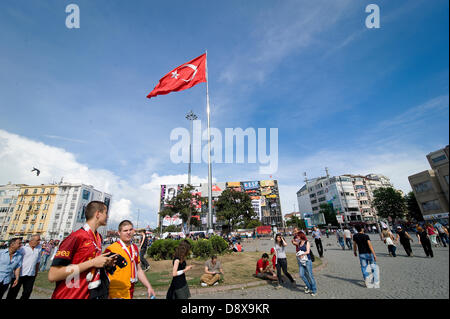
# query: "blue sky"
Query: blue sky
{"points": [[354, 99]]}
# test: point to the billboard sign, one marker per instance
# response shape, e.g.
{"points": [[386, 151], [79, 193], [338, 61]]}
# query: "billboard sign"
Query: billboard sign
{"points": [[250, 185]]}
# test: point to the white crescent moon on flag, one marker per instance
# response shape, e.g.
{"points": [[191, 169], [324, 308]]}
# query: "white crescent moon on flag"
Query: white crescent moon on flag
{"points": [[193, 67]]}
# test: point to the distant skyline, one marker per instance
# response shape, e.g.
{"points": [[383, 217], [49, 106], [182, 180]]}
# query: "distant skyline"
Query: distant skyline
{"points": [[355, 100]]}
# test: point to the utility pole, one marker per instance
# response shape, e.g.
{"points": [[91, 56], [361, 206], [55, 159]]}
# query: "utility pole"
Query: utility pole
{"points": [[191, 117]]}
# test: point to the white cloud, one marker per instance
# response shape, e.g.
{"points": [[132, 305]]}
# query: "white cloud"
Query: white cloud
{"points": [[18, 155]]}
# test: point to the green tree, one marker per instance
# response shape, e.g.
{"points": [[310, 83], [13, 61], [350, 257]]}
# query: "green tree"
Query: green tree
{"points": [[253, 223], [172, 229], [328, 212], [413, 209], [296, 222], [183, 204], [234, 207], [389, 203]]}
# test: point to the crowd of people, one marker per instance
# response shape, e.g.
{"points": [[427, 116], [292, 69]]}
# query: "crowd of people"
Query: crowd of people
{"points": [[82, 269]]}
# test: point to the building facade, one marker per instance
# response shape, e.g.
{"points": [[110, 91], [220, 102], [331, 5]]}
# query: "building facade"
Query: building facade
{"points": [[52, 211], [430, 187], [350, 195], [8, 199], [264, 195]]}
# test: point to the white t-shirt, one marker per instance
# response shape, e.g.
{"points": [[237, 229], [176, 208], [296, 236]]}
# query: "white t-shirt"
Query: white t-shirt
{"points": [[30, 258], [347, 233]]}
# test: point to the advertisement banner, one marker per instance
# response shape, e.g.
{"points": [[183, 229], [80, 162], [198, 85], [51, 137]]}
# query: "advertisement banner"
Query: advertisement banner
{"points": [[256, 203], [234, 184], [171, 192], [168, 221], [267, 183], [250, 185], [266, 191], [263, 201], [271, 196]]}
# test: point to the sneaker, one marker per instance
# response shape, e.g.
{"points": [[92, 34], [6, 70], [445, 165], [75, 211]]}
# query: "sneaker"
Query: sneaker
{"points": [[204, 284], [307, 291], [376, 285], [313, 294], [216, 283], [368, 283]]}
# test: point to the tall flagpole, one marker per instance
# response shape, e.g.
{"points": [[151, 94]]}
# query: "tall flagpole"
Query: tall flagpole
{"points": [[210, 219]]}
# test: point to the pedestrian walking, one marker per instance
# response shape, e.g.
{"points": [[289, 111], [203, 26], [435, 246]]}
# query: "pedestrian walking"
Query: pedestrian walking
{"points": [[47, 249], [179, 288], [432, 233], [367, 258], [30, 266], [327, 232], [305, 265], [389, 240], [348, 238], [405, 240], [317, 235], [281, 263], [81, 253], [425, 241], [122, 281], [442, 232], [340, 238], [10, 264], [143, 250]]}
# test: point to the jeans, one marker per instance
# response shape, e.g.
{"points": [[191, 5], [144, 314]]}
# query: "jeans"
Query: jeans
{"points": [[44, 259], [348, 241], [306, 273], [368, 263], [341, 242], [444, 239], [392, 249]]}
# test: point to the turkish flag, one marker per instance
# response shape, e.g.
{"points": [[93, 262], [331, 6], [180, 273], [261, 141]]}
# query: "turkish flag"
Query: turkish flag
{"points": [[183, 77]]}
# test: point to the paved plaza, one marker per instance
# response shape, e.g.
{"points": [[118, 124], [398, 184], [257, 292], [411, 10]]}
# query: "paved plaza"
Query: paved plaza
{"points": [[401, 277]]}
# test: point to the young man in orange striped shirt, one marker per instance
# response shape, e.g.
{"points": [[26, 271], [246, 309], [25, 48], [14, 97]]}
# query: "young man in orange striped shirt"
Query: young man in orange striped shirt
{"points": [[123, 280]]}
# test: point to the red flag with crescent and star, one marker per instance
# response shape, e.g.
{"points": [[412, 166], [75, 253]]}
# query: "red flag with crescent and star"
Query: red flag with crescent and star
{"points": [[181, 78]]}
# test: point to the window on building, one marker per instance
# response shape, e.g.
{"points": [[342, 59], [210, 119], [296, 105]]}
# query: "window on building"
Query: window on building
{"points": [[439, 158], [314, 201], [40, 199], [431, 205], [321, 199], [35, 191], [312, 195], [25, 191], [42, 190], [423, 187], [59, 206], [315, 208], [320, 192], [32, 199]]}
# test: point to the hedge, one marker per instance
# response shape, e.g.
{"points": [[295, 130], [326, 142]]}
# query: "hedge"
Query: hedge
{"points": [[164, 249]]}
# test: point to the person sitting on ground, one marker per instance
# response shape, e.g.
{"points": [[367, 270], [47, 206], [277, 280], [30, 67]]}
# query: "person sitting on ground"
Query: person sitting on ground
{"points": [[213, 270], [263, 270], [237, 247]]}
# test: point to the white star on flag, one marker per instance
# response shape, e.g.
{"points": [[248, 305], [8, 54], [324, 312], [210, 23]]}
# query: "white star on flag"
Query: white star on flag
{"points": [[175, 75]]}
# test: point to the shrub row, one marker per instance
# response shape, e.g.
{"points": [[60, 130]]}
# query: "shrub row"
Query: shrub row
{"points": [[164, 249]]}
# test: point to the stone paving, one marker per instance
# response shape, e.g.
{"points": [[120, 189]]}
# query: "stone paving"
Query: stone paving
{"points": [[401, 277]]}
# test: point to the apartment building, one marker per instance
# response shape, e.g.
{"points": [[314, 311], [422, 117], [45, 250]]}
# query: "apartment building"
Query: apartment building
{"points": [[431, 186], [8, 199]]}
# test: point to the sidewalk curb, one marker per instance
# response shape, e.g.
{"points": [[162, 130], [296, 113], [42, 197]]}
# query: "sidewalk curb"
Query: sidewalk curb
{"points": [[214, 289]]}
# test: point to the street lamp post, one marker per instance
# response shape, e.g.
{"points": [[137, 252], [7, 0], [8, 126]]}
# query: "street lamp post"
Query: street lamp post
{"points": [[191, 117]]}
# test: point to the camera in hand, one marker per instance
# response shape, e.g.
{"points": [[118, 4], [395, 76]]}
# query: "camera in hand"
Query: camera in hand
{"points": [[120, 262]]}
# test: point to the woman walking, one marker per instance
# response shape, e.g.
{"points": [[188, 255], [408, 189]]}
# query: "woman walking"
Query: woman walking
{"points": [[305, 264], [404, 240], [388, 239], [424, 240], [281, 261], [179, 288], [433, 234]]}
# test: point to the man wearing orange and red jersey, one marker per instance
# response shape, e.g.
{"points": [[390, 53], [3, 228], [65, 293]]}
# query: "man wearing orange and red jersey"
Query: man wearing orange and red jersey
{"points": [[77, 263], [122, 281]]}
